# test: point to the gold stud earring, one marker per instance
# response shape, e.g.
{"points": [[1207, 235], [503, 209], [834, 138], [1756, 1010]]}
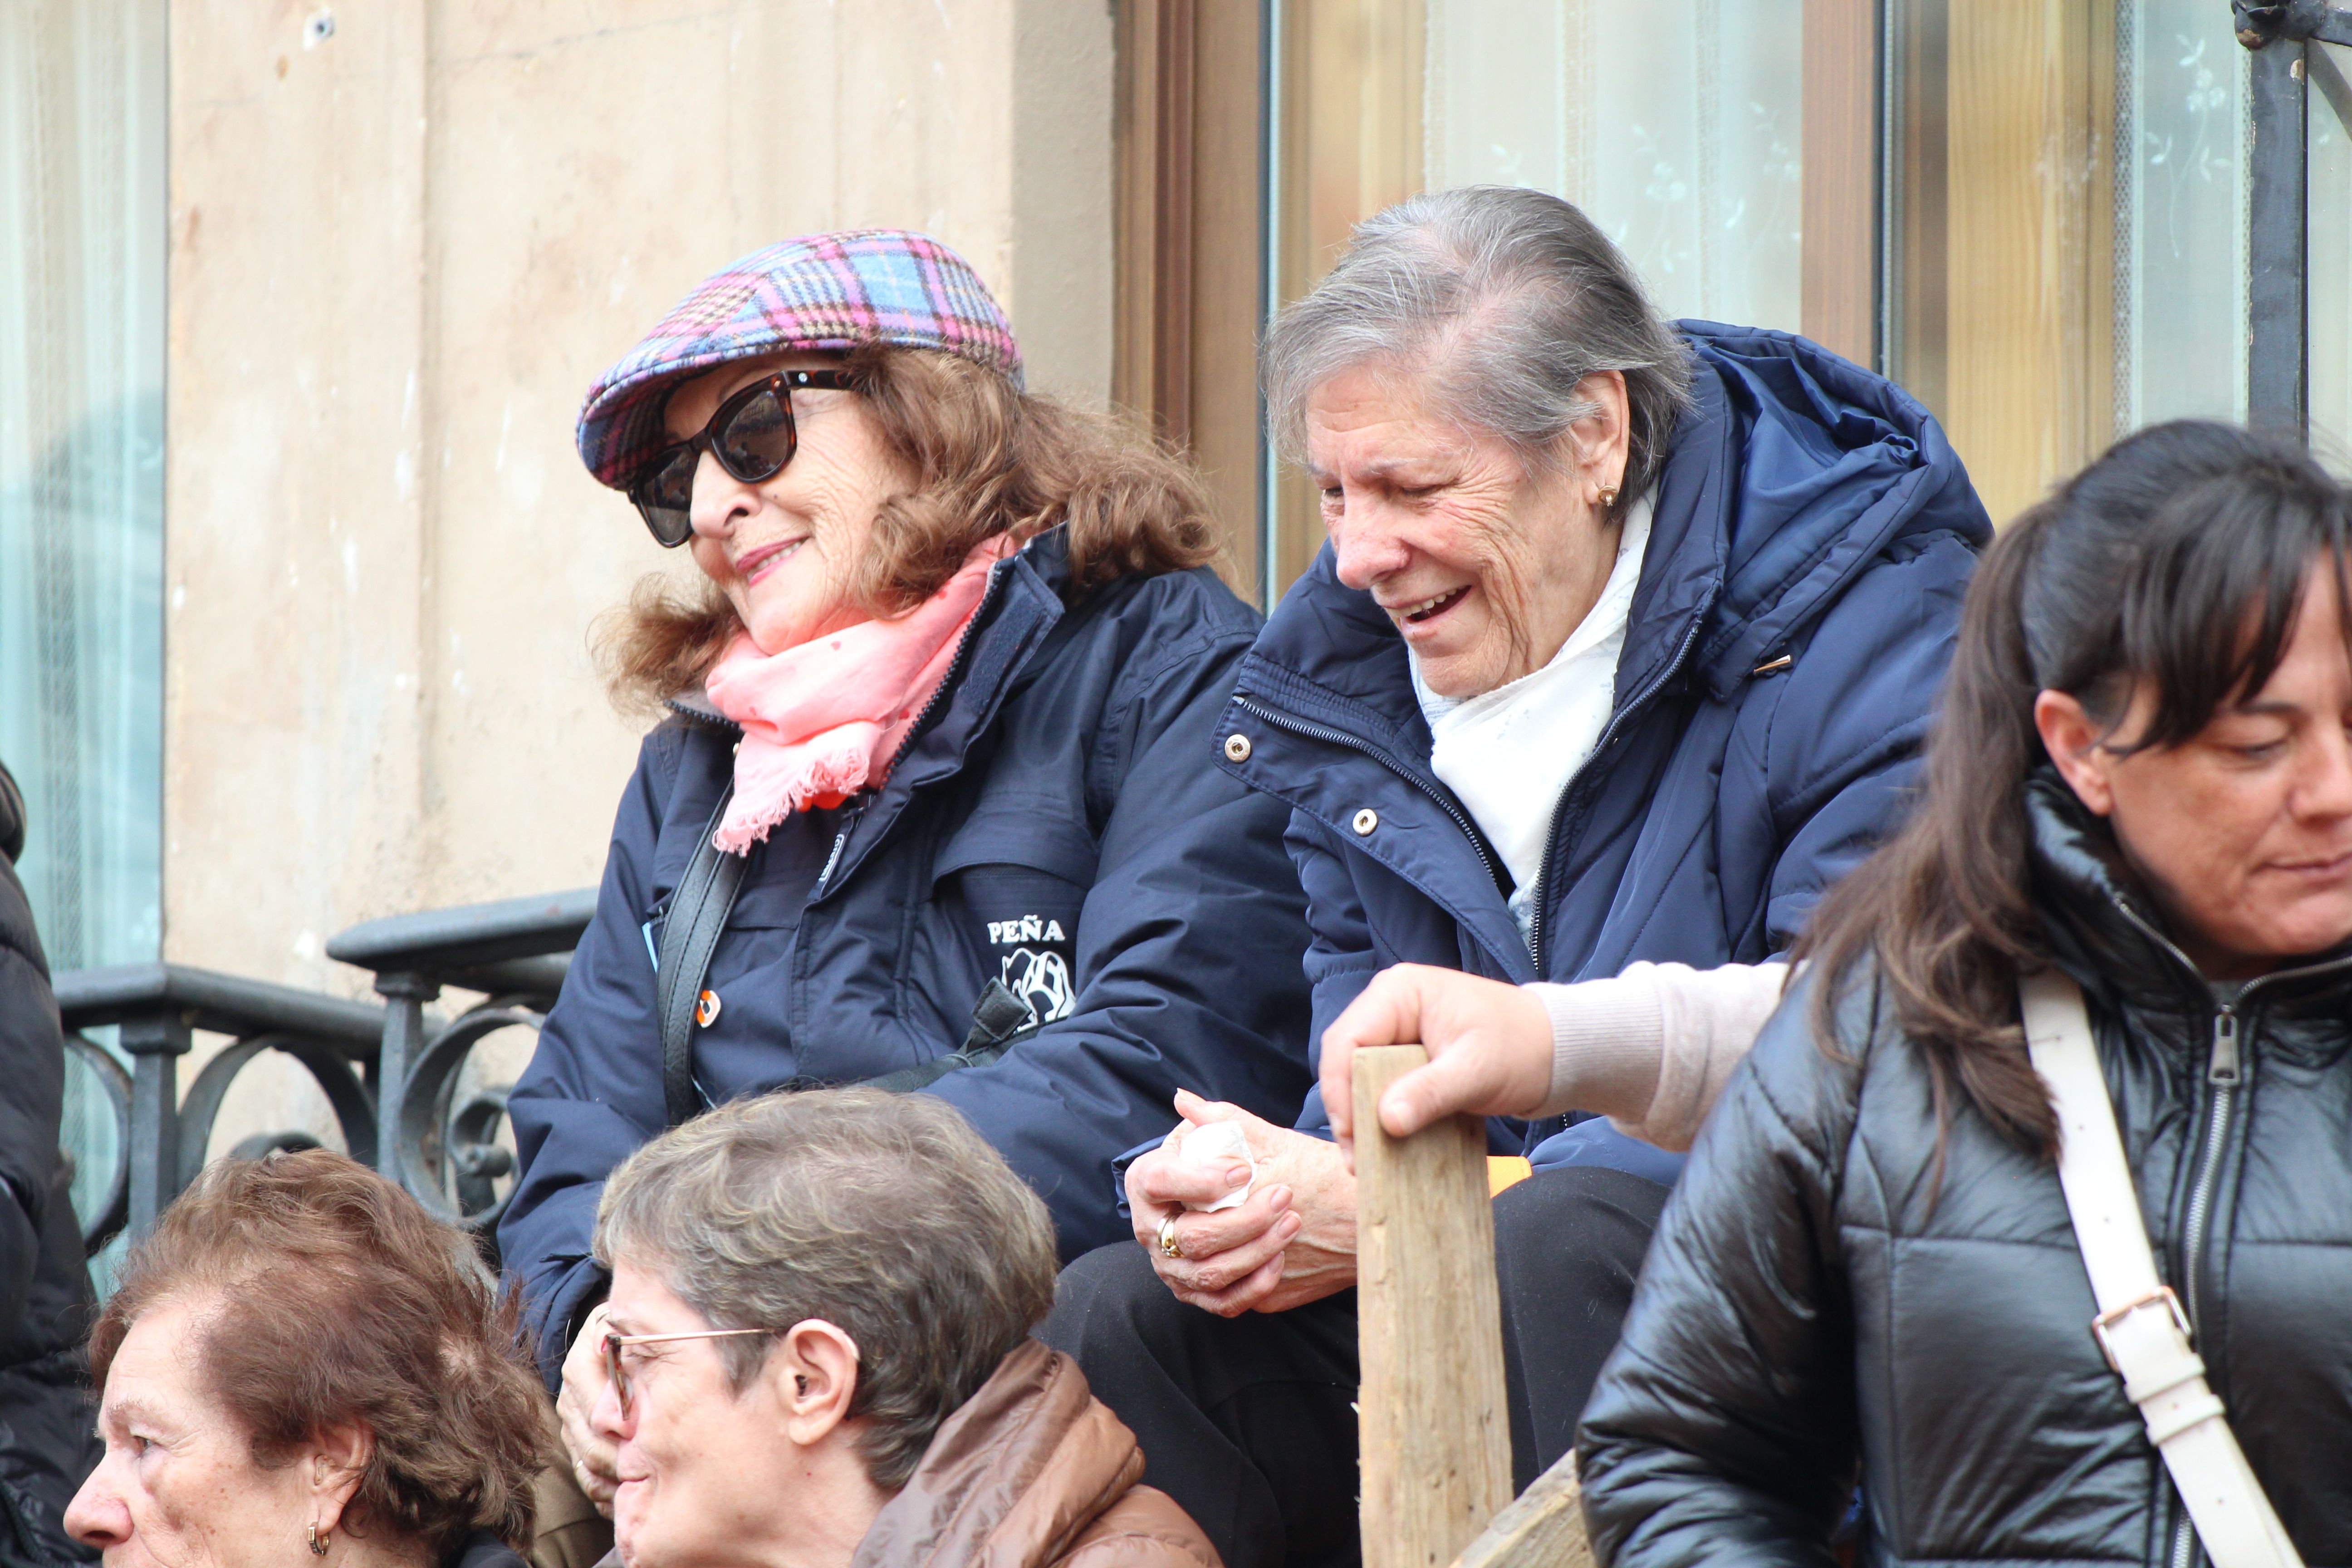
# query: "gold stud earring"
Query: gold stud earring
{"points": [[1609, 495], [318, 1546]]}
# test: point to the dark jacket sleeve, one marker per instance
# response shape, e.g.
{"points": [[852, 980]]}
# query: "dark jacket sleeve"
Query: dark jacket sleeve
{"points": [[1188, 947], [1841, 755], [1723, 1427], [592, 1092], [32, 1058]]}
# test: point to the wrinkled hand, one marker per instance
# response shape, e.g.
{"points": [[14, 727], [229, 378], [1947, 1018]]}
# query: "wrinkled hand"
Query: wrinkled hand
{"points": [[1489, 1044], [1293, 1242], [595, 1461]]}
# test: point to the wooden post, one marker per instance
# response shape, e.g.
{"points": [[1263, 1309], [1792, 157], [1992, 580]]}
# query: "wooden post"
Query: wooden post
{"points": [[1543, 1528], [1432, 1428]]}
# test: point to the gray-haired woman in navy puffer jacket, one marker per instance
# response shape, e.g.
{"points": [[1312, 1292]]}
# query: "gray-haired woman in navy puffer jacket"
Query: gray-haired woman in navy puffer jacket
{"points": [[1621, 652], [2142, 779]]}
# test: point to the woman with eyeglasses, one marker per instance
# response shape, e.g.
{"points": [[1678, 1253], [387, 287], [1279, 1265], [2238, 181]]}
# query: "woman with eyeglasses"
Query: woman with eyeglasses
{"points": [[819, 1355], [934, 803]]}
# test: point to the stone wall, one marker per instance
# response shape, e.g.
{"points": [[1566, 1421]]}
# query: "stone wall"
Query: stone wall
{"points": [[405, 234]]}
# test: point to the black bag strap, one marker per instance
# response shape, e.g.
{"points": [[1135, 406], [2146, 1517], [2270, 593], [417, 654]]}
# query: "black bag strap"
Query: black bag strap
{"points": [[999, 1020], [697, 913]]}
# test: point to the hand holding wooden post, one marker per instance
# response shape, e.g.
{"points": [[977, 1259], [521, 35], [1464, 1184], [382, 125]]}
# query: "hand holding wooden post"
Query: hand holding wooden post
{"points": [[1433, 1427]]}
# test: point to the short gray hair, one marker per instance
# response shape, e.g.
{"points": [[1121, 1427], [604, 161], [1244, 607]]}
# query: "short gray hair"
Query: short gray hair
{"points": [[883, 1214], [1502, 300]]}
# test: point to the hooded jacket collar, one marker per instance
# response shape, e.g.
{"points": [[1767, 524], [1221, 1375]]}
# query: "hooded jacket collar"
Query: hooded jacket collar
{"points": [[1793, 473], [1014, 1477], [2103, 930], [2107, 934]]}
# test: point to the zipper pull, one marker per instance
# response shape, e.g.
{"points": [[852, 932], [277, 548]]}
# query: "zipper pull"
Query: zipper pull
{"points": [[2224, 1067], [834, 860], [849, 820]]}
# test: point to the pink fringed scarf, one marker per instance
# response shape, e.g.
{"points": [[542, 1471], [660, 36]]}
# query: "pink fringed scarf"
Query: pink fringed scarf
{"points": [[823, 719]]}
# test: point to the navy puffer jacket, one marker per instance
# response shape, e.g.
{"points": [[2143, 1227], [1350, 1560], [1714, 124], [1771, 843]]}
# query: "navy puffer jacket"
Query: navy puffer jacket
{"points": [[1061, 826], [1798, 599]]}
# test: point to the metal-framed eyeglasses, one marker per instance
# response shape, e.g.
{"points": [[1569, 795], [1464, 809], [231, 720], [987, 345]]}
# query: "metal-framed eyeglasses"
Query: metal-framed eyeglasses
{"points": [[617, 1366], [751, 434]]}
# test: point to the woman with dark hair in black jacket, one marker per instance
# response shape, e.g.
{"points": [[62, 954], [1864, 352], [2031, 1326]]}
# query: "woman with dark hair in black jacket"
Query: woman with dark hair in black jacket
{"points": [[46, 1446], [2141, 783]]}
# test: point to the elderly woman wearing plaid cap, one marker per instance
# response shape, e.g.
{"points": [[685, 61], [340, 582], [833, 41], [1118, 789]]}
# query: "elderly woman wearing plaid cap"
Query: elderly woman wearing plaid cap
{"points": [[935, 804]]}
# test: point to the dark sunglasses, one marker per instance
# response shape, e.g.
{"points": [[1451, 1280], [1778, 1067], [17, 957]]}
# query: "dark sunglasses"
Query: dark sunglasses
{"points": [[752, 436]]}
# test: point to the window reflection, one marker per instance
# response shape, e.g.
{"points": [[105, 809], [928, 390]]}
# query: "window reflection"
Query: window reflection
{"points": [[2329, 246], [2065, 219], [81, 495], [1680, 137], [2180, 213], [1916, 202], [81, 469]]}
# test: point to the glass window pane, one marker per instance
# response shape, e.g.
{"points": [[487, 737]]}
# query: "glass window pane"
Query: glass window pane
{"points": [[1679, 136], [2181, 131], [2329, 246], [81, 475]]}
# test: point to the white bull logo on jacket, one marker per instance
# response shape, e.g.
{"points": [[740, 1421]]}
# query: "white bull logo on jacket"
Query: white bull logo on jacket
{"points": [[1041, 978]]}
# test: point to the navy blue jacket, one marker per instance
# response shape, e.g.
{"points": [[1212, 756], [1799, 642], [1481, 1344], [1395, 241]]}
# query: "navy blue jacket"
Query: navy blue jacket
{"points": [[1061, 826], [1798, 599]]}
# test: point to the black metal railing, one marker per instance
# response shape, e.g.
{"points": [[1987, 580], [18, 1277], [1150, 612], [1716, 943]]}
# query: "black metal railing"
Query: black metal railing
{"points": [[389, 1073], [516, 952]]}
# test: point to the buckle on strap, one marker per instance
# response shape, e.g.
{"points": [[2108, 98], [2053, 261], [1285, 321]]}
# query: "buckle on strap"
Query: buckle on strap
{"points": [[2161, 1296]]}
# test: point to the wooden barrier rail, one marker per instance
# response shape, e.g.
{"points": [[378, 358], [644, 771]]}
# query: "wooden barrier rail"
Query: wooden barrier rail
{"points": [[1434, 1428]]}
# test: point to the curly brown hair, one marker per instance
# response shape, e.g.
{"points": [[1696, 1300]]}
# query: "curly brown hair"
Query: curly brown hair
{"points": [[341, 1302], [988, 458]]}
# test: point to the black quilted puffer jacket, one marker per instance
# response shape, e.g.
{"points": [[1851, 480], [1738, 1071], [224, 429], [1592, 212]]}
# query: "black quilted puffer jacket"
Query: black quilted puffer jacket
{"points": [[47, 1445], [1814, 1302]]}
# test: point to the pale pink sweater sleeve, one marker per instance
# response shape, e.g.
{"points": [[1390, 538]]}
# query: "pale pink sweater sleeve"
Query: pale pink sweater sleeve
{"points": [[1651, 1047]]}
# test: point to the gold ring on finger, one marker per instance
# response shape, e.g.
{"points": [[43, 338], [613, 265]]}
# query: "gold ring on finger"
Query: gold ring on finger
{"points": [[1168, 1246]]}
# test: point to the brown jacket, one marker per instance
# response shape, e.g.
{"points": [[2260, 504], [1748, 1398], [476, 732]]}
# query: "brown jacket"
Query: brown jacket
{"points": [[1033, 1471]]}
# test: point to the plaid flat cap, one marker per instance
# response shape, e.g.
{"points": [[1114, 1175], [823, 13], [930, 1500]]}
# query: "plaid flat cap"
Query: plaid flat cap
{"points": [[824, 291]]}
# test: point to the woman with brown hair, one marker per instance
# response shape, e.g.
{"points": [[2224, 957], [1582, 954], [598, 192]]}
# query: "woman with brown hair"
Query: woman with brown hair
{"points": [[301, 1366], [2034, 1204], [936, 801]]}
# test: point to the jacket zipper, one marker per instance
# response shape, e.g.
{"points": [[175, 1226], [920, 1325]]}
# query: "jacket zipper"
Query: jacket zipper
{"points": [[2224, 1073], [1452, 808], [834, 858], [1559, 807], [954, 677]]}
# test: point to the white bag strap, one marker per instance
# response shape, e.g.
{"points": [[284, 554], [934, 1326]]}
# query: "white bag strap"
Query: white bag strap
{"points": [[2141, 1325]]}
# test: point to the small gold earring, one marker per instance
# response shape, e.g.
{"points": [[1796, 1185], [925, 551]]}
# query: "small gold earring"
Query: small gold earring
{"points": [[317, 1547], [1609, 495]]}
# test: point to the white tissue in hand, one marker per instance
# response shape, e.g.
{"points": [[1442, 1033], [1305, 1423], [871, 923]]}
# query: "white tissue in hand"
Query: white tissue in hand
{"points": [[1207, 1149]]}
